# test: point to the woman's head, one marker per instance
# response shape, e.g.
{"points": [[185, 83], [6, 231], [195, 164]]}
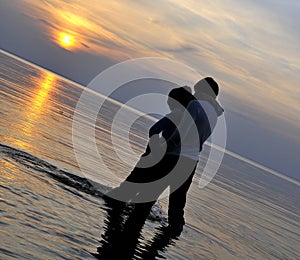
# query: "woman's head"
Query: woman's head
{"points": [[182, 95]]}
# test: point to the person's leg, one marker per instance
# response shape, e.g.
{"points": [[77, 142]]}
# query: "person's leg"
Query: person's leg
{"points": [[140, 213], [127, 190], [177, 201], [148, 194]]}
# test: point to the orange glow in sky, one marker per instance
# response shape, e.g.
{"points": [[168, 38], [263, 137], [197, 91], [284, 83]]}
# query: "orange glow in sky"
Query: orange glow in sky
{"points": [[201, 34], [66, 40]]}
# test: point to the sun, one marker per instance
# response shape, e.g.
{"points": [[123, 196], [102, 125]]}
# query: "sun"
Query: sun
{"points": [[66, 40]]}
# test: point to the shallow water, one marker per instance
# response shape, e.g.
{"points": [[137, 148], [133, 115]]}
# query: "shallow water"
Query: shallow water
{"points": [[50, 211]]}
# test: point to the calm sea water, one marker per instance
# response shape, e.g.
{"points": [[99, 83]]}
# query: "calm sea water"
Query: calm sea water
{"points": [[50, 211]]}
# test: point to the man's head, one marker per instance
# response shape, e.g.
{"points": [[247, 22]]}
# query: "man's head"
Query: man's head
{"points": [[207, 86]]}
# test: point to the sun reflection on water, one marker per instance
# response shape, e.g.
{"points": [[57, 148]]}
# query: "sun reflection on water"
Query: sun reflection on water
{"points": [[33, 109], [38, 100]]}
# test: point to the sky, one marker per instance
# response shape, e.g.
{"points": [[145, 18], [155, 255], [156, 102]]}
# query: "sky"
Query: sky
{"points": [[250, 47]]}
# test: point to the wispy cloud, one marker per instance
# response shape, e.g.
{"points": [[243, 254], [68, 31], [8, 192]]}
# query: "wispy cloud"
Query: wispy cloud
{"points": [[251, 47]]}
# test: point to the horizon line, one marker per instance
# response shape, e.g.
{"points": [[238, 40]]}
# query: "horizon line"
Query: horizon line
{"points": [[235, 155]]}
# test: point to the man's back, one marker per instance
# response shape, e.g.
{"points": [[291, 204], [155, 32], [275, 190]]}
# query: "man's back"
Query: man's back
{"points": [[195, 127]]}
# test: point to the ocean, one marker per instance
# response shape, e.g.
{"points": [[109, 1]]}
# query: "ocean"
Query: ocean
{"points": [[50, 210]]}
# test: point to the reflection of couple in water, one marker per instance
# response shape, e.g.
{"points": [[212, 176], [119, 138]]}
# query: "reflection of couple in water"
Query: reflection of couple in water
{"points": [[170, 161]]}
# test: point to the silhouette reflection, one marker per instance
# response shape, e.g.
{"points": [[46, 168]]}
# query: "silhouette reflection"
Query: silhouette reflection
{"points": [[122, 238], [162, 239]]}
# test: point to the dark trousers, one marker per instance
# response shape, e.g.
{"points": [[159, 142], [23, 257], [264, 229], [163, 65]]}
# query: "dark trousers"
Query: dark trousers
{"points": [[177, 200], [179, 182]]}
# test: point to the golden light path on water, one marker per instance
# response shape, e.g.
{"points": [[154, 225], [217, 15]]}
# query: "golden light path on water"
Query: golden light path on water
{"points": [[38, 100], [32, 112]]}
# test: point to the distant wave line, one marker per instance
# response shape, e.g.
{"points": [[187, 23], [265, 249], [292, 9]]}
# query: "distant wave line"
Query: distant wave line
{"points": [[253, 163]]}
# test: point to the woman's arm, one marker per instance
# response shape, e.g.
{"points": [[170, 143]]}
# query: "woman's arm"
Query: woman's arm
{"points": [[183, 129], [160, 125]]}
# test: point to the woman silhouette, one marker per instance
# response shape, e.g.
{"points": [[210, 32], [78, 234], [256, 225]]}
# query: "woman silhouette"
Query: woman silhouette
{"points": [[157, 162]]}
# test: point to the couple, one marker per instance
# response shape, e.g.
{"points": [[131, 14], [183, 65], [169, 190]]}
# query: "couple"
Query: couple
{"points": [[172, 154]]}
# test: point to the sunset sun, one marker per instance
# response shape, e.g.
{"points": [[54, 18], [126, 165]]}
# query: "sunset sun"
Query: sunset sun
{"points": [[66, 40]]}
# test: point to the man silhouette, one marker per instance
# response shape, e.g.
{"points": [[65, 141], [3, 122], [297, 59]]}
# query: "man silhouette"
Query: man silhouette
{"points": [[204, 112]]}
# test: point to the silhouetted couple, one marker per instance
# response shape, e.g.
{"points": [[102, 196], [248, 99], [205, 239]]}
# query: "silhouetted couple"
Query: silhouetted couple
{"points": [[172, 154]]}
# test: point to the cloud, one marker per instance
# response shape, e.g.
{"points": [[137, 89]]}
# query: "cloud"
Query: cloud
{"points": [[85, 45], [180, 49], [251, 47], [46, 23]]}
